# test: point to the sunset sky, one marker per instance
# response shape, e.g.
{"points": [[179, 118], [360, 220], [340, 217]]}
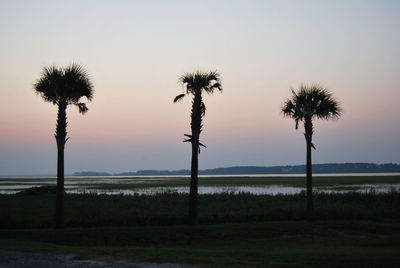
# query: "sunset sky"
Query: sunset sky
{"points": [[135, 52]]}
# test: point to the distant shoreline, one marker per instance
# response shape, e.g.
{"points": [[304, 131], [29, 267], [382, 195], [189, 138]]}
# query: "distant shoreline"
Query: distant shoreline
{"points": [[260, 170], [329, 168]]}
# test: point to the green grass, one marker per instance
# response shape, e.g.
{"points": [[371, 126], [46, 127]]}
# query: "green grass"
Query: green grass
{"points": [[250, 244], [32, 210]]}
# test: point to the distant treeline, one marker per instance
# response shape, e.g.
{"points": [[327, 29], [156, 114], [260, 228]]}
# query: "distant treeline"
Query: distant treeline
{"points": [[298, 169]]}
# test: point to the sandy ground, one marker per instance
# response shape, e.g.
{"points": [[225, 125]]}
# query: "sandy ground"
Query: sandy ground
{"points": [[54, 260]]}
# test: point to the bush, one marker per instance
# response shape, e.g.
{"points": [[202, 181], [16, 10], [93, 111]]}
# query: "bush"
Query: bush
{"points": [[48, 189]]}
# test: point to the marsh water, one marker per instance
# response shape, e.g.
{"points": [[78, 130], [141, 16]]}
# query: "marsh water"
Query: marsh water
{"points": [[165, 184]]}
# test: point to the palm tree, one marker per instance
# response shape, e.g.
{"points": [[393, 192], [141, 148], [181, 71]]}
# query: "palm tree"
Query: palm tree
{"points": [[310, 102], [195, 84], [62, 87]]}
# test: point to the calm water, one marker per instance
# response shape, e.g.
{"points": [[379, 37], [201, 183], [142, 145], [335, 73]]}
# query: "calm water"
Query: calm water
{"points": [[88, 185]]}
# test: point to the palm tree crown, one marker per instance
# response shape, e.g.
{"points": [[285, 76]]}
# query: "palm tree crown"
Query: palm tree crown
{"points": [[65, 86], [311, 101], [195, 82]]}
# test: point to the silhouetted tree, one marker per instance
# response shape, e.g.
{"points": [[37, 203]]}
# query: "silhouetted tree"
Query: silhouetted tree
{"points": [[62, 87], [310, 102], [195, 84]]}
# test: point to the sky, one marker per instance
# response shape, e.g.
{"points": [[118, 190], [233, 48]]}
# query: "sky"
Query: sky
{"points": [[135, 52]]}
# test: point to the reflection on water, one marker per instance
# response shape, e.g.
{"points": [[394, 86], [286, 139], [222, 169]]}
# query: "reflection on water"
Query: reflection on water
{"points": [[92, 185], [361, 188], [13, 189], [256, 190]]}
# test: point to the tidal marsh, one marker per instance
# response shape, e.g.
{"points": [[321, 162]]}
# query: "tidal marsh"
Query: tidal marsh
{"points": [[146, 185]]}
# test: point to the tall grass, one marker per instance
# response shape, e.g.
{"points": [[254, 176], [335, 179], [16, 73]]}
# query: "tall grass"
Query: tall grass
{"points": [[36, 210]]}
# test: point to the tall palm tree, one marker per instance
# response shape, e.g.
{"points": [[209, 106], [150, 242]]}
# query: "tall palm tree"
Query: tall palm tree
{"points": [[63, 87], [307, 103], [195, 84]]}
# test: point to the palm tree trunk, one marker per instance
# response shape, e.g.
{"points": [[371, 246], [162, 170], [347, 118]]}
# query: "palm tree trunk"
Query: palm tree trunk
{"points": [[61, 133], [310, 213], [193, 185], [308, 135], [196, 129]]}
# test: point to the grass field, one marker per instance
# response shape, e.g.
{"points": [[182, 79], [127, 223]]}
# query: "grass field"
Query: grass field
{"points": [[235, 230], [33, 210]]}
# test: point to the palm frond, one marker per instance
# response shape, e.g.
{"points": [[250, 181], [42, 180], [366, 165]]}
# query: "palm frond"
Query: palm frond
{"points": [[77, 80], [215, 86], [203, 109], [67, 84], [82, 107], [288, 108], [199, 80], [179, 97], [202, 145], [47, 86]]}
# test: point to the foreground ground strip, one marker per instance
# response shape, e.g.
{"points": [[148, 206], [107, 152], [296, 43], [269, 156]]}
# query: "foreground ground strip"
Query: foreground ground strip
{"points": [[253, 244], [55, 260]]}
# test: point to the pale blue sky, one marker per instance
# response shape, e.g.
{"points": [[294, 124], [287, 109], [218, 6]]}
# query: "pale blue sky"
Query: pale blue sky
{"points": [[135, 52]]}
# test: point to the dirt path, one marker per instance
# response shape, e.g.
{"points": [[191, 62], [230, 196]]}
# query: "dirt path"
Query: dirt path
{"points": [[14, 259]]}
